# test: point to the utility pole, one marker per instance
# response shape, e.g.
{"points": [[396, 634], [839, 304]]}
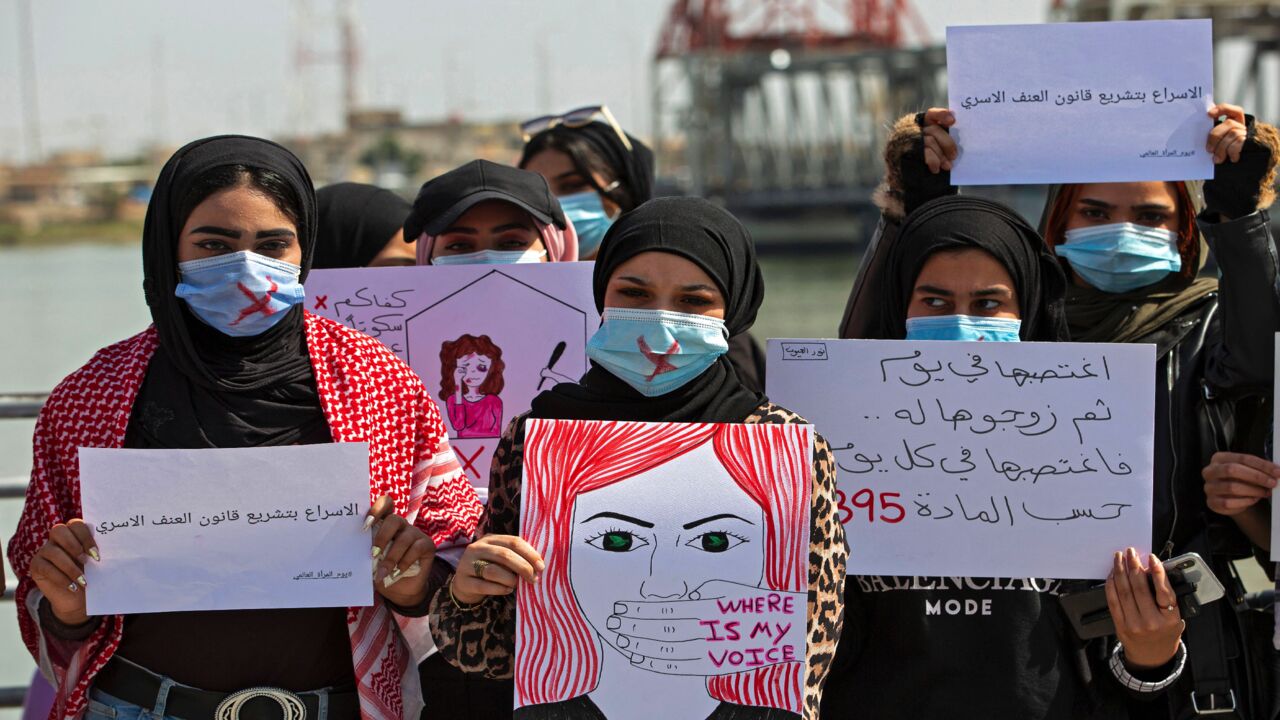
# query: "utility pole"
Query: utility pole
{"points": [[30, 101], [349, 56], [158, 97]]}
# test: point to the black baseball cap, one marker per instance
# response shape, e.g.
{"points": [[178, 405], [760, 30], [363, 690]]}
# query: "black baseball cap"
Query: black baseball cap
{"points": [[443, 199]]}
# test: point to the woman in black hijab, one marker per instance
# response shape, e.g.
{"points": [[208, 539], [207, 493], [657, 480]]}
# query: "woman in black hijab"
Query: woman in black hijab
{"points": [[234, 361], [672, 261], [596, 170], [968, 268], [963, 222], [599, 172], [361, 226]]}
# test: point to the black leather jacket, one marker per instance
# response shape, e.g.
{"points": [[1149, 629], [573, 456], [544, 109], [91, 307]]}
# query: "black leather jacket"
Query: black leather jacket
{"points": [[1216, 353]]}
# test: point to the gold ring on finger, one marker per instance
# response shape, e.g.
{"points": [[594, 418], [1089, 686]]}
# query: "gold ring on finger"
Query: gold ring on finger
{"points": [[478, 566]]}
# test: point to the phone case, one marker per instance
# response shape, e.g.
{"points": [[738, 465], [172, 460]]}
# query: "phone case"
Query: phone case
{"points": [[1193, 583]]}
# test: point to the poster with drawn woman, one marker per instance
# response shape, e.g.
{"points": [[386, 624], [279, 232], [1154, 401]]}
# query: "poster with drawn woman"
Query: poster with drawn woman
{"points": [[485, 339], [676, 570]]}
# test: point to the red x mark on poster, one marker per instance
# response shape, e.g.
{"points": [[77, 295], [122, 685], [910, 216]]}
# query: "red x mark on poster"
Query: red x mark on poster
{"points": [[467, 465]]}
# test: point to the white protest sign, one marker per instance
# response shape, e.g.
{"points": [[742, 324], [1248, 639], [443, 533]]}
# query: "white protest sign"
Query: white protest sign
{"points": [[677, 554], [1081, 102], [227, 529], [484, 339], [980, 459]]}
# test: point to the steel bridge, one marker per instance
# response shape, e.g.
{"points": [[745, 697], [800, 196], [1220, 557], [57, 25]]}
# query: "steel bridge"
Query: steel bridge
{"points": [[779, 108]]}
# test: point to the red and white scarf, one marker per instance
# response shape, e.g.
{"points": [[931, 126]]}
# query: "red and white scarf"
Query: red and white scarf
{"points": [[367, 394]]}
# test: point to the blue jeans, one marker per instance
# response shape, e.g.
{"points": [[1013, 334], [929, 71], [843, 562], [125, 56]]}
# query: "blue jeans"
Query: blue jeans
{"points": [[108, 707]]}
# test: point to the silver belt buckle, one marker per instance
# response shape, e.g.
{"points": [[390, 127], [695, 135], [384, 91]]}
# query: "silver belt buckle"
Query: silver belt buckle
{"points": [[290, 704]]}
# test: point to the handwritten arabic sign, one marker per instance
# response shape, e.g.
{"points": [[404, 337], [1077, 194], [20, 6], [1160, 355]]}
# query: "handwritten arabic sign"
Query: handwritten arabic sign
{"points": [[982, 459], [485, 340], [676, 553], [1081, 102], [227, 529]]}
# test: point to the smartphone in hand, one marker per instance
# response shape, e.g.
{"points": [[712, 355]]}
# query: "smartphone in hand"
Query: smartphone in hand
{"points": [[1193, 582]]}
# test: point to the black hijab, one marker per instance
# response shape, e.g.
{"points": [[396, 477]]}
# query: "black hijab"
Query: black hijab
{"points": [[356, 222], [634, 167], [204, 388], [716, 242], [964, 221]]}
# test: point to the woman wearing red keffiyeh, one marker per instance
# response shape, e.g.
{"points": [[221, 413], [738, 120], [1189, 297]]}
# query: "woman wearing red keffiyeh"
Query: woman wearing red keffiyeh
{"points": [[216, 371]]}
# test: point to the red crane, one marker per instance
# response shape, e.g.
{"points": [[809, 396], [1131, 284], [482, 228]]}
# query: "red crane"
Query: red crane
{"points": [[734, 26]]}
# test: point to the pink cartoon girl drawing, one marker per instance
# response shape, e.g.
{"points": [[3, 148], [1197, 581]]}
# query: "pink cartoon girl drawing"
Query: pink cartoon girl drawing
{"points": [[470, 381]]}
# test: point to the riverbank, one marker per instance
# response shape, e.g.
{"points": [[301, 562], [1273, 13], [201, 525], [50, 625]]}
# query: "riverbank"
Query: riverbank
{"points": [[106, 232]]}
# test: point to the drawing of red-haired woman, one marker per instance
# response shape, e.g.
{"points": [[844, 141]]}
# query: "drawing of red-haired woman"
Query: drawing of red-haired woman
{"points": [[470, 380]]}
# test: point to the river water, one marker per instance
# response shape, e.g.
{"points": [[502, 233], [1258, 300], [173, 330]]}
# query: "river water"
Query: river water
{"points": [[60, 304]]}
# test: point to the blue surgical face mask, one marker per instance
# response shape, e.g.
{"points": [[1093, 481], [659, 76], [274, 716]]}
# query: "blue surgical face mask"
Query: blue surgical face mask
{"points": [[586, 211], [491, 257], [657, 351], [964, 327], [1121, 257], [239, 294]]}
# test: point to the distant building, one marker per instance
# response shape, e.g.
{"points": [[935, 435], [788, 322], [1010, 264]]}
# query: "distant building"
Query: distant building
{"points": [[73, 186], [379, 147]]}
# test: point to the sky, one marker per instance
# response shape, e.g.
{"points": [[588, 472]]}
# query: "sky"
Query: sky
{"points": [[120, 75]]}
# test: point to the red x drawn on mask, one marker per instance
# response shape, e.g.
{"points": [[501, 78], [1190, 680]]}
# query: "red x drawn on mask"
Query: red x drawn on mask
{"points": [[660, 362], [257, 304]]}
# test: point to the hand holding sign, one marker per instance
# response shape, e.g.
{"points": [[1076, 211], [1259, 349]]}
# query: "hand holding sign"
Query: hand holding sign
{"points": [[58, 569], [404, 554], [1227, 138], [723, 628], [939, 147]]}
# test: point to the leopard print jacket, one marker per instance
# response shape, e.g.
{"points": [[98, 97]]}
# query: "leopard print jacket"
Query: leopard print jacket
{"points": [[482, 639]]}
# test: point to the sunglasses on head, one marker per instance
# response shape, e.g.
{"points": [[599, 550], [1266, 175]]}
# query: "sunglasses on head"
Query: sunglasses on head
{"points": [[574, 119]]}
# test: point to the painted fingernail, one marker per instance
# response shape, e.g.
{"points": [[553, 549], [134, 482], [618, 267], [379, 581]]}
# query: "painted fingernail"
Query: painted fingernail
{"points": [[73, 587], [390, 580], [368, 523], [395, 574], [613, 623], [82, 581], [624, 641], [376, 551], [619, 608], [93, 553]]}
